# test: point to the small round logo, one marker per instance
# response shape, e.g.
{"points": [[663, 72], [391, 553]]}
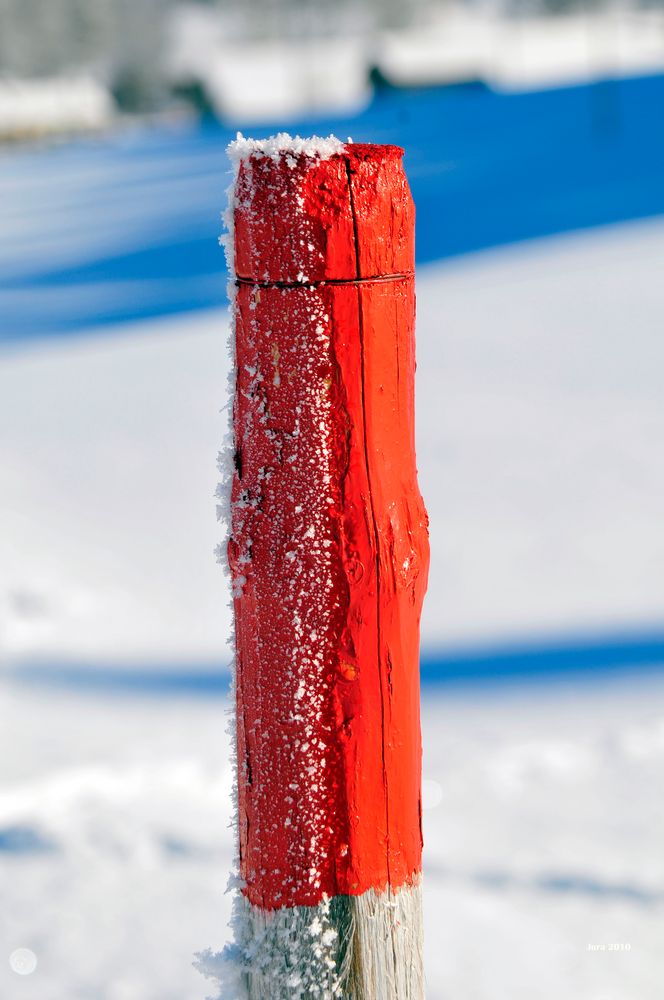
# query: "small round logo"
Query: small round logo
{"points": [[23, 961], [432, 793]]}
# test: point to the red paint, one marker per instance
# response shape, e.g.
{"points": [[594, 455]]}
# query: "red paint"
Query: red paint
{"points": [[329, 549]]}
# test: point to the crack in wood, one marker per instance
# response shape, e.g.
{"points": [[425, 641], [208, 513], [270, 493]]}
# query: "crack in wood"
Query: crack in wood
{"points": [[372, 280], [376, 535]]}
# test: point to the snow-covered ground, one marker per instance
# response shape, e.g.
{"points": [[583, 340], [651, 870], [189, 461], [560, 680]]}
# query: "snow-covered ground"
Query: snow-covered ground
{"points": [[540, 430], [543, 825]]}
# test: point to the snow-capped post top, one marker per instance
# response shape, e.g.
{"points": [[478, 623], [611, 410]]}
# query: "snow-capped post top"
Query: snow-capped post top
{"points": [[328, 554], [316, 210]]}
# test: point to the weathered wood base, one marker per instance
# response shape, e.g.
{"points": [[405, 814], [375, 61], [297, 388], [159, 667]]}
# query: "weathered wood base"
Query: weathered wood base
{"points": [[366, 947]]}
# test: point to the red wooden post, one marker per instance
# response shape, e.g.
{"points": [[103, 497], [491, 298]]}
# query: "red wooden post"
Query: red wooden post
{"points": [[329, 558]]}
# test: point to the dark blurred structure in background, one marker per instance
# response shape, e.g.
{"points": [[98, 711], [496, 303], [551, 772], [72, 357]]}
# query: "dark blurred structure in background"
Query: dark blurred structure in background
{"points": [[75, 64]]}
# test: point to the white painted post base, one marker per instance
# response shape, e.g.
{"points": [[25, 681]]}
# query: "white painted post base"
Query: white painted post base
{"points": [[366, 947]]}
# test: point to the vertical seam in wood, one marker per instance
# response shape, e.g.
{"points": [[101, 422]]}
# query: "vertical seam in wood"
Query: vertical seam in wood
{"points": [[356, 242], [374, 521], [250, 789], [243, 785]]}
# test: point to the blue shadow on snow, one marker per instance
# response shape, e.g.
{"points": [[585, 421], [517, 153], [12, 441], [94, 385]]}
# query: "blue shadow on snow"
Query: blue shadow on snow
{"points": [[572, 660], [485, 168]]}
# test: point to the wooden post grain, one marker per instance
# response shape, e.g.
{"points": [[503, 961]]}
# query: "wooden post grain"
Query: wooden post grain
{"points": [[329, 558]]}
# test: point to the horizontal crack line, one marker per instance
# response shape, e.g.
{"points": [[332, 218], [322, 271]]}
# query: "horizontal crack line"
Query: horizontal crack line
{"points": [[378, 278]]}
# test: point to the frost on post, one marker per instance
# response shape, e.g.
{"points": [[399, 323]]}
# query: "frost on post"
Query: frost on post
{"points": [[328, 556]]}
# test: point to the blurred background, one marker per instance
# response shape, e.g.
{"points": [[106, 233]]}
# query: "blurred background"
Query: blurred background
{"points": [[534, 138]]}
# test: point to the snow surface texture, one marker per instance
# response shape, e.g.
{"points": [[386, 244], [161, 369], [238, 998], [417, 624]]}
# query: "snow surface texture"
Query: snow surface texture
{"points": [[543, 826]]}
